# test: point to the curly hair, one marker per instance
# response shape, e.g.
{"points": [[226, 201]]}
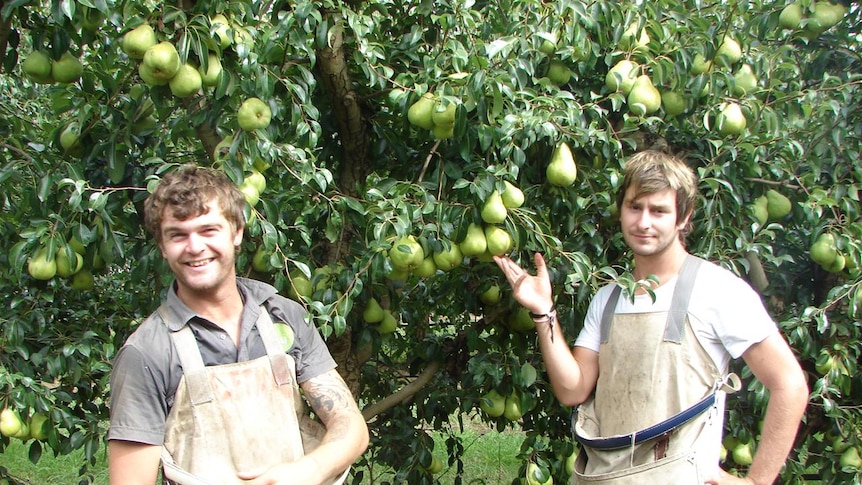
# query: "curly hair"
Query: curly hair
{"points": [[186, 193]]}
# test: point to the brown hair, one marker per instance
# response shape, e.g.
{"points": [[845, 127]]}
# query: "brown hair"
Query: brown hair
{"points": [[652, 171], [186, 193]]}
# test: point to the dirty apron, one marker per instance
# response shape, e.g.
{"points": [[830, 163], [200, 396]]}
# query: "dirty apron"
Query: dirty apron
{"points": [[658, 410], [243, 416]]}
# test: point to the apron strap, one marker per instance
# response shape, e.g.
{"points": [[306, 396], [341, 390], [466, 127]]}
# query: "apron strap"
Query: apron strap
{"points": [[681, 296], [194, 372], [277, 357], [678, 308]]}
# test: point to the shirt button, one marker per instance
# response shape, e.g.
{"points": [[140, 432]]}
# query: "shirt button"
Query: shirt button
{"points": [[222, 336]]}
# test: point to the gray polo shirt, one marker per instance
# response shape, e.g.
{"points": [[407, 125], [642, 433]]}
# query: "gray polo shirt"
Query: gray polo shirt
{"points": [[147, 371]]}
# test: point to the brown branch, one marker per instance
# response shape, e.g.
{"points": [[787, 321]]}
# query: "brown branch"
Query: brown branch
{"points": [[402, 394], [5, 30], [352, 126], [755, 272]]}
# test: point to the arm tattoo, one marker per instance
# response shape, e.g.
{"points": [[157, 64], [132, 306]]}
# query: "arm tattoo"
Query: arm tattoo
{"points": [[332, 402]]}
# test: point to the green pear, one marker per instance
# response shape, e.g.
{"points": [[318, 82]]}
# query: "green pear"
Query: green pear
{"points": [[11, 424], [634, 40], [42, 265], [67, 69], [37, 66], [644, 98], [742, 454], [260, 260], [186, 82], [729, 52], [39, 424], [388, 324], [448, 259], [850, 459], [136, 41], [826, 15], [493, 209], [420, 113], [66, 265], [427, 268], [443, 116], [406, 253], [731, 120], [561, 170], [220, 30], [70, 138], [559, 73], [622, 76], [373, 312], [83, 280], [777, 205], [548, 46], [212, 74], [824, 251], [744, 81], [491, 296], [700, 64], [443, 132], [512, 196], [673, 103], [160, 63], [791, 16], [498, 239], [512, 407], [493, 404], [520, 321], [474, 243], [761, 214]]}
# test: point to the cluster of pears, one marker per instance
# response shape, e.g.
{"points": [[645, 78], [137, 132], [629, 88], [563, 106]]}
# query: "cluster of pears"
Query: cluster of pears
{"points": [[825, 252], [66, 262], [252, 186], [742, 452], [12, 426], [42, 69], [558, 72], [374, 314], [495, 405], [771, 206], [642, 97], [432, 113], [160, 63], [489, 238], [822, 16]]}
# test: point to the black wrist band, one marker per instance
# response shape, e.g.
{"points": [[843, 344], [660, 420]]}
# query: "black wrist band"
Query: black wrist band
{"points": [[550, 317]]}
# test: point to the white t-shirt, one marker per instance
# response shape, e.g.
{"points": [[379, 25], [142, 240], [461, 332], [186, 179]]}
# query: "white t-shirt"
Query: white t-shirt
{"points": [[726, 314]]}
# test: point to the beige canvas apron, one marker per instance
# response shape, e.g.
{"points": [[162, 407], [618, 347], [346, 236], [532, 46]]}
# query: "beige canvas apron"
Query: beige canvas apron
{"points": [[651, 368], [242, 416]]}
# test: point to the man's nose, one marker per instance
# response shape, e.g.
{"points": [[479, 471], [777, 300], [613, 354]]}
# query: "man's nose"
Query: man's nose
{"points": [[194, 243]]}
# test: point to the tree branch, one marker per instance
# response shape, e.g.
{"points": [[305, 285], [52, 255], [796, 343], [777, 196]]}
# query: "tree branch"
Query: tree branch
{"points": [[404, 393]]}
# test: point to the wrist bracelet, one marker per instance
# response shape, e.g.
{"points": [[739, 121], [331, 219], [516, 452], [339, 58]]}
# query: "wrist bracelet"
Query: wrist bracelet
{"points": [[550, 317]]}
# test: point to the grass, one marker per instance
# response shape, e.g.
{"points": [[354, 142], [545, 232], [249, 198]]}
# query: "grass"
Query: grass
{"points": [[490, 457]]}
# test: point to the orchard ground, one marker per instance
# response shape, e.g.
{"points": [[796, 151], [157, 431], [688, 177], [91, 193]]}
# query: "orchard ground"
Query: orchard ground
{"points": [[490, 456]]}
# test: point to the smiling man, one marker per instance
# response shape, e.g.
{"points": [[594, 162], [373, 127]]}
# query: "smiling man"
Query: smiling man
{"points": [[648, 376], [209, 385]]}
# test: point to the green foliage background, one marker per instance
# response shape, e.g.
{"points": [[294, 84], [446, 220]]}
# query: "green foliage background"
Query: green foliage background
{"points": [[348, 174]]}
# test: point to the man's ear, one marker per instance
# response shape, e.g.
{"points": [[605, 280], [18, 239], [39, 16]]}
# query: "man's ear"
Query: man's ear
{"points": [[685, 220], [237, 238]]}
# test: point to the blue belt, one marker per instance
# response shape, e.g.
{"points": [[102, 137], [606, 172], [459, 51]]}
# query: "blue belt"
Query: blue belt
{"points": [[646, 434]]}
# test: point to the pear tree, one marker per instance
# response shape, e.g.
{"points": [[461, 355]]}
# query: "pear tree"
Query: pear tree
{"points": [[381, 133]]}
